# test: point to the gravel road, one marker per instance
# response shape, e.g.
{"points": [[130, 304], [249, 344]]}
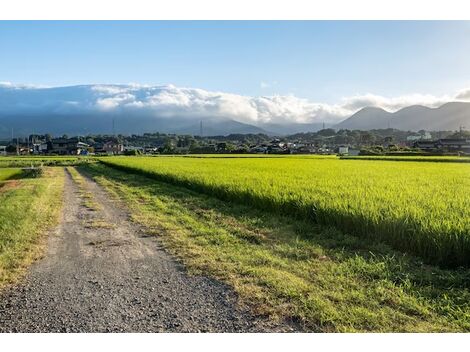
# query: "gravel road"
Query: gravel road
{"points": [[101, 273]]}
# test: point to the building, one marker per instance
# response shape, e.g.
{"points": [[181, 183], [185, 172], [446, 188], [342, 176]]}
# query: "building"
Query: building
{"points": [[3, 150], [343, 149], [66, 146], [426, 136], [448, 145], [425, 145], [58, 146], [113, 148], [80, 148], [130, 149], [454, 145]]}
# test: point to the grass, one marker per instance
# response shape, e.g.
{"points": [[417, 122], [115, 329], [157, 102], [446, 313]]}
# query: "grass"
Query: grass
{"points": [[27, 210], [30, 161], [421, 208], [322, 278], [7, 174], [87, 197]]}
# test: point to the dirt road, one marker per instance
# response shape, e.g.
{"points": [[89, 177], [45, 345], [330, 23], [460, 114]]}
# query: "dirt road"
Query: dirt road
{"points": [[101, 273]]}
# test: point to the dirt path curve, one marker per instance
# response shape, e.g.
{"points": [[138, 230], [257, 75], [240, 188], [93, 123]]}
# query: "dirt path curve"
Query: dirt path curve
{"points": [[102, 274]]}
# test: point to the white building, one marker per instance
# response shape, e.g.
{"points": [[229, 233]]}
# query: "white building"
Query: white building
{"points": [[342, 149], [419, 137]]}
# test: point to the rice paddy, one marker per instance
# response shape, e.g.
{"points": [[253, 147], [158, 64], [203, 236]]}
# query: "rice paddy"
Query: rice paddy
{"points": [[418, 207]]}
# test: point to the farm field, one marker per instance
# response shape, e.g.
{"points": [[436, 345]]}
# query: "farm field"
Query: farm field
{"points": [[314, 243], [290, 269], [417, 207]]}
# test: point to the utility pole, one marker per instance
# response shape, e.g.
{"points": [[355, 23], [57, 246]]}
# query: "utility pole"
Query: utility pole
{"points": [[200, 129]]}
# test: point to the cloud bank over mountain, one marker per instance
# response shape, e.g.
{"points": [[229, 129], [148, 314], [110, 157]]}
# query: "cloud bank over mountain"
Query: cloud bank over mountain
{"points": [[169, 101]]}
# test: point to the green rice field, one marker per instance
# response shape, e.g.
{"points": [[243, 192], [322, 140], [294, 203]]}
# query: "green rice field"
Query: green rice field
{"points": [[418, 207], [9, 173]]}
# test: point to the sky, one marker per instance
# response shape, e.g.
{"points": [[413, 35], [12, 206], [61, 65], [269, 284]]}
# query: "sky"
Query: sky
{"points": [[338, 66]]}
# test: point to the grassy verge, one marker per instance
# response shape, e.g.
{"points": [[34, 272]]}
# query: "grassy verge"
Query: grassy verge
{"points": [[27, 209], [291, 269], [43, 161]]}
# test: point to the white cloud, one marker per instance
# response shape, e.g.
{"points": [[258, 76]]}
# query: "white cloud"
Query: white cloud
{"points": [[170, 101], [463, 95]]}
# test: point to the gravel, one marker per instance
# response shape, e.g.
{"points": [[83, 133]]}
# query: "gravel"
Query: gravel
{"points": [[117, 280]]}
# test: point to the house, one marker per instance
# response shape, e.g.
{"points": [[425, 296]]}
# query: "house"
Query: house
{"points": [[39, 148], [113, 148], [426, 136], [80, 148], [454, 145], [58, 146], [343, 149], [3, 150], [130, 148], [425, 145], [353, 152], [444, 145], [65, 146], [258, 150]]}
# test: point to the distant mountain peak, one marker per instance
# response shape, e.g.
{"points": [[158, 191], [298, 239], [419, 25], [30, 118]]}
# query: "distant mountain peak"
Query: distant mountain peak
{"points": [[447, 117]]}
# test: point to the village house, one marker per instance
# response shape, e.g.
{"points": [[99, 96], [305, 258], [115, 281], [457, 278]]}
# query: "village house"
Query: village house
{"points": [[58, 146], [454, 145], [130, 148], [426, 136], [65, 146], [113, 148], [444, 145], [343, 150]]}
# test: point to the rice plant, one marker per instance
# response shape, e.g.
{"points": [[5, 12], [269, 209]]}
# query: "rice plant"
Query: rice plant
{"points": [[419, 207]]}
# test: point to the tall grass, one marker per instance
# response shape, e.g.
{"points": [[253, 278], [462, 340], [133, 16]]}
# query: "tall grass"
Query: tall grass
{"points": [[422, 208]]}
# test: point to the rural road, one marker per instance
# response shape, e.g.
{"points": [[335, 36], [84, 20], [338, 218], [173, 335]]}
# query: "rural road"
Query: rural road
{"points": [[111, 277]]}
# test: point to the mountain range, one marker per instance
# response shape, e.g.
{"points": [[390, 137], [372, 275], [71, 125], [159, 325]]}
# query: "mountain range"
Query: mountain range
{"points": [[450, 116], [106, 109]]}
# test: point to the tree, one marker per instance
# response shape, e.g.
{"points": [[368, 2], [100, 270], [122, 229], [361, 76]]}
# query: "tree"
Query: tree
{"points": [[11, 148]]}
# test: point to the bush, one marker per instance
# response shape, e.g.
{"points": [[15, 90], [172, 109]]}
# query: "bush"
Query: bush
{"points": [[33, 172]]}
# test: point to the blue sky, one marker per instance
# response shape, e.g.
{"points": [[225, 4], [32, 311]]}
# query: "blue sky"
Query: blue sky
{"points": [[321, 61]]}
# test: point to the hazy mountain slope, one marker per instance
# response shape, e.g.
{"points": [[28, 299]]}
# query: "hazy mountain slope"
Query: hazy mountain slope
{"points": [[449, 116], [291, 128], [367, 118], [216, 127], [93, 123], [89, 109]]}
